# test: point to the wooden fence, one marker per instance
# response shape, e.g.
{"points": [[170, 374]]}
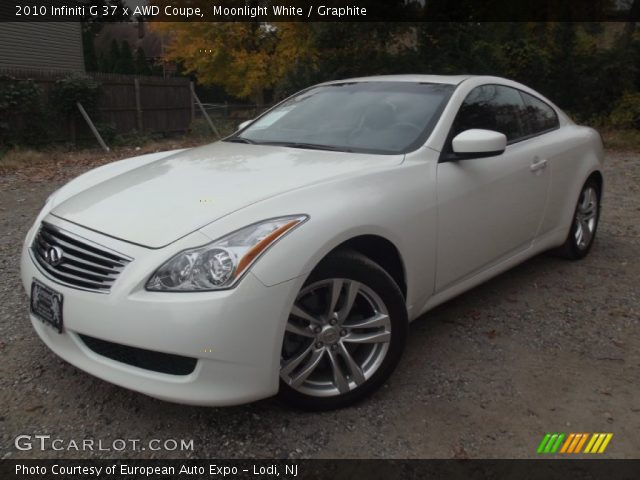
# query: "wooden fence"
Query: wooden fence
{"points": [[127, 103], [146, 104]]}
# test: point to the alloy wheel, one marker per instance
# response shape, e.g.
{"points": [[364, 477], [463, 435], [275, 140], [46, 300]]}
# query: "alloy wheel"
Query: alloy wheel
{"points": [[336, 338], [586, 217]]}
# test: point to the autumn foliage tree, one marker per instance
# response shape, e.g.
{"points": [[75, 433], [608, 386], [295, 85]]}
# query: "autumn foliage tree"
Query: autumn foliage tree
{"points": [[587, 68], [246, 59]]}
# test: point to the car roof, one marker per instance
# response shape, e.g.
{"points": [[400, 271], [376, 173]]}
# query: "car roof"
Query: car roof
{"points": [[446, 79]]}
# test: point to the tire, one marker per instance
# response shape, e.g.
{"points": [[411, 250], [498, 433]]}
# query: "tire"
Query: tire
{"points": [[584, 223], [323, 334]]}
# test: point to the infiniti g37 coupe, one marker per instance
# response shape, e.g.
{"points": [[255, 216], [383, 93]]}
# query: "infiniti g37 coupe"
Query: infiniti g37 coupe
{"points": [[290, 257]]}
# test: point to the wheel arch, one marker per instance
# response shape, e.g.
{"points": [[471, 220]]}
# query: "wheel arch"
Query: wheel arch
{"points": [[597, 176], [380, 250]]}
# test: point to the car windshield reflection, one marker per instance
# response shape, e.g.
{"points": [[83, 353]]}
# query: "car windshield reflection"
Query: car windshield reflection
{"points": [[371, 117]]}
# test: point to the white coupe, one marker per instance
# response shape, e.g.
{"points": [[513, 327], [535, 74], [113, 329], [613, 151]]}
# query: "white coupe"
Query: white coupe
{"points": [[290, 257]]}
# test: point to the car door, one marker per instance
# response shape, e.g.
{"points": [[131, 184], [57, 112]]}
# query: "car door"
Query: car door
{"points": [[490, 208]]}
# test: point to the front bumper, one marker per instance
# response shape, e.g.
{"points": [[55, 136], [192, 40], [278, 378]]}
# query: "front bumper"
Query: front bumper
{"points": [[235, 335]]}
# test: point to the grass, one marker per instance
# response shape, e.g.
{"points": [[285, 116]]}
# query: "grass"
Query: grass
{"points": [[62, 161], [625, 140], [33, 161], [18, 157]]}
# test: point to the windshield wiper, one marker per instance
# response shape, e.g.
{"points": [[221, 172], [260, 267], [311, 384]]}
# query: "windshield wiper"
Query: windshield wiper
{"points": [[310, 146]]}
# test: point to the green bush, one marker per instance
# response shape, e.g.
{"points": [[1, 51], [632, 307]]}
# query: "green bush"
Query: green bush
{"points": [[626, 114], [22, 117], [107, 131], [200, 128], [74, 88]]}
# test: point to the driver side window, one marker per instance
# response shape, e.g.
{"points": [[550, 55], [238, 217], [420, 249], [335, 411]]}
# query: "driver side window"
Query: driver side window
{"points": [[492, 107]]}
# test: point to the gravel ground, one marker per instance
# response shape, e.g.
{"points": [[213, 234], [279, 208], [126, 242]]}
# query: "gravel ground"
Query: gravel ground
{"points": [[549, 346]]}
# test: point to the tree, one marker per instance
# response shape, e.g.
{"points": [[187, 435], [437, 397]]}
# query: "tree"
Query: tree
{"points": [[89, 49], [246, 59], [125, 60], [348, 49], [112, 60], [630, 25], [91, 27], [141, 64], [103, 63]]}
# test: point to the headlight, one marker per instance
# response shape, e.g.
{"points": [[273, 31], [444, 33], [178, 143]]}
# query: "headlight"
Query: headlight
{"points": [[221, 264]]}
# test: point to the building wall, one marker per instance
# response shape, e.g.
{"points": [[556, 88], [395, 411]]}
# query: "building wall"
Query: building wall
{"points": [[41, 45]]}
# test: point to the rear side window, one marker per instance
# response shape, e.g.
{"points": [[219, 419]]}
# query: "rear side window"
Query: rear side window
{"points": [[493, 107], [540, 116]]}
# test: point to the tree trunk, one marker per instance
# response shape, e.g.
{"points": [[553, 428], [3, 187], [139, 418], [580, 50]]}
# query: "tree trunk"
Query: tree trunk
{"points": [[72, 128], [258, 98], [630, 26]]}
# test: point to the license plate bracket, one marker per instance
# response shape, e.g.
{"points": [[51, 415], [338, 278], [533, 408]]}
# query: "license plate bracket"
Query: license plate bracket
{"points": [[46, 305]]}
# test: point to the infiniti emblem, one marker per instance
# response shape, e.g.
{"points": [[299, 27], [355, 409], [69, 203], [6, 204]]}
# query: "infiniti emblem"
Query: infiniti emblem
{"points": [[54, 256]]}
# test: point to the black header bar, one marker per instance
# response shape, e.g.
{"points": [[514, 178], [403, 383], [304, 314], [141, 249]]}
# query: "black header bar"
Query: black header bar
{"points": [[321, 10], [120, 469]]}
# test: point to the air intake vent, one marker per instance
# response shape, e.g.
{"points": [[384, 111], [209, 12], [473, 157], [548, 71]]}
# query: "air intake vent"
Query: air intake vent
{"points": [[167, 363], [76, 262]]}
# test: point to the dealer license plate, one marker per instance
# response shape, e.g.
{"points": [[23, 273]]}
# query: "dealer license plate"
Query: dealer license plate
{"points": [[46, 304]]}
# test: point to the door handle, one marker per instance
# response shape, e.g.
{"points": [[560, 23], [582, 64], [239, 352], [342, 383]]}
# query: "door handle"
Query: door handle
{"points": [[538, 164]]}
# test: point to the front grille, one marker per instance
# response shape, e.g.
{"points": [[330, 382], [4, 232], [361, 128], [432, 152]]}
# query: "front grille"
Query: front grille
{"points": [[82, 264], [149, 360]]}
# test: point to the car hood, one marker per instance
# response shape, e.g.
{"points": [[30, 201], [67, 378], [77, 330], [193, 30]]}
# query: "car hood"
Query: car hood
{"points": [[161, 201]]}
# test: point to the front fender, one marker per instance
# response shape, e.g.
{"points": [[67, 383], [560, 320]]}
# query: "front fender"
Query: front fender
{"points": [[397, 204]]}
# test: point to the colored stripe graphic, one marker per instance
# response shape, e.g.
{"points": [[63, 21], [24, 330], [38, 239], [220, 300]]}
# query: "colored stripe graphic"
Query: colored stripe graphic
{"points": [[594, 437], [598, 442], [543, 443], [567, 442], [572, 443], [577, 438], [605, 443], [551, 442], [581, 442], [555, 447]]}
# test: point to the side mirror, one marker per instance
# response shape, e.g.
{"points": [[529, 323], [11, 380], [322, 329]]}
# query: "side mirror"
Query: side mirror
{"points": [[479, 143], [244, 124]]}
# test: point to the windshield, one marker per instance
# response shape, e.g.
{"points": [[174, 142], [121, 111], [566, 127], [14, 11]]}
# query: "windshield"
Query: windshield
{"points": [[375, 117]]}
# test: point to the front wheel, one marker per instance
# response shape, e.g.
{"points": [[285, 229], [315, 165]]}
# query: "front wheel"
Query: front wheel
{"points": [[345, 334]]}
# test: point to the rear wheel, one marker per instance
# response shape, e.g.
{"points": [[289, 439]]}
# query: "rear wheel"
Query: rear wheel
{"points": [[584, 224], [344, 336]]}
